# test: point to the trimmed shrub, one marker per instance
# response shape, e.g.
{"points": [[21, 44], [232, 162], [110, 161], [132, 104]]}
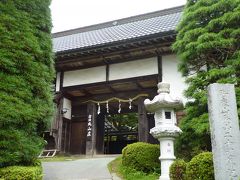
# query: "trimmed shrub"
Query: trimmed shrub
{"points": [[201, 167], [178, 170], [21, 173], [141, 157]]}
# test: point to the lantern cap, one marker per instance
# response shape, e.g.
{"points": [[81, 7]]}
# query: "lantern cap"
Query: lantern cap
{"points": [[163, 99]]}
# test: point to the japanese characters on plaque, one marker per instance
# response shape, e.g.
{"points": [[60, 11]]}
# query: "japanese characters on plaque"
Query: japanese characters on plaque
{"points": [[225, 135], [89, 126]]}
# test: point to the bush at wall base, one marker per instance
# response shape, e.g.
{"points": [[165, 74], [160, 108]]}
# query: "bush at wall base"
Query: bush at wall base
{"points": [[178, 170], [141, 157], [200, 167], [21, 173]]}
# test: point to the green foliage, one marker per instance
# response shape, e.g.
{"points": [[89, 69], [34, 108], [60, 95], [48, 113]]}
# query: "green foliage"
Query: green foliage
{"points": [[133, 174], [124, 122], [127, 173], [201, 167], [26, 75], [141, 157], [178, 169], [21, 173], [208, 44]]}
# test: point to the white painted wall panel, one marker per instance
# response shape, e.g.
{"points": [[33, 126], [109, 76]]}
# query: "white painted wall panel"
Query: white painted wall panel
{"points": [[58, 82], [84, 76], [173, 76], [67, 104], [131, 69]]}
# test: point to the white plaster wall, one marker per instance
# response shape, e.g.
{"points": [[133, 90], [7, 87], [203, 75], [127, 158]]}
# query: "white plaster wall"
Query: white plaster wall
{"points": [[67, 104], [131, 69], [58, 82], [173, 76], [84, 76]]}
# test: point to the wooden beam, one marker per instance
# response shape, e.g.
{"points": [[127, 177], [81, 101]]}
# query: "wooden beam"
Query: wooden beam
{"points": [[139, 85], [78, 87], [68, 96], [123, 95], [87, 93], [111, 88], [63, 63]]}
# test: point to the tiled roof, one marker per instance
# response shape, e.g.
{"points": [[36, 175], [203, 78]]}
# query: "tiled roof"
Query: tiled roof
{"points": [[119, 30]]}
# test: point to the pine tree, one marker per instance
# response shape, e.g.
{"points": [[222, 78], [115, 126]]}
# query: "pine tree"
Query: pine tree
{"points": [[26, 75], [208, 44]]}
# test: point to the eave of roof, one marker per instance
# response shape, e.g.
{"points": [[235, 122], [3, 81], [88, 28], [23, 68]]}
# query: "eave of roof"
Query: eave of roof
{"points": [[156, 24]]}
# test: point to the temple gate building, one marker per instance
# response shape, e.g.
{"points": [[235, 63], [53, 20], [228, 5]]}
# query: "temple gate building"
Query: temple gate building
{"points": [[108, 69]]}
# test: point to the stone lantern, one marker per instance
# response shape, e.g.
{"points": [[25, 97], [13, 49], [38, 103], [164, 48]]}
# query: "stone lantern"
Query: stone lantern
{"points": [[165, 130]]}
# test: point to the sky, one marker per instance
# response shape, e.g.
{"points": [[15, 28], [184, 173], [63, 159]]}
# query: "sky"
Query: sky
{"points": [[70, 14]]}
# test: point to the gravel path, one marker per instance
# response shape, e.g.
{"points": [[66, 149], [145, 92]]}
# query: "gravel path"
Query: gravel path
{"points": [[82, 169]]}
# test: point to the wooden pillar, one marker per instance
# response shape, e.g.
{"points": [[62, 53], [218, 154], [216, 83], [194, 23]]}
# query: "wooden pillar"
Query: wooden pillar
{"points": [[60, 126], [143, 127], [59, 144], [159, 67], [91, 140], [64, 135], [100, 133], [69, 136]]}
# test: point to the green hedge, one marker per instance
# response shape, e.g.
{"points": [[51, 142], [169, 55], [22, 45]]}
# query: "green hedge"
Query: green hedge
{"points": [[26, 75], [21, 173], [141, 157], [201, 167], [178, 170]]}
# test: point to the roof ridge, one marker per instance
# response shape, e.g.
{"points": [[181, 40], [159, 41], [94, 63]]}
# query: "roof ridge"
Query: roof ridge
{"points": [[119, 21]]}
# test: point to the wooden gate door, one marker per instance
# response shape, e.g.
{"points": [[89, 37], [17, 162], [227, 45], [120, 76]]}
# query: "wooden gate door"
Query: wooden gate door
{"points": [[78, 137]]}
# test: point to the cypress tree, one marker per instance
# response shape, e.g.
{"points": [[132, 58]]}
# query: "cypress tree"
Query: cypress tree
{"points": [[208, 45], [26, 75]]}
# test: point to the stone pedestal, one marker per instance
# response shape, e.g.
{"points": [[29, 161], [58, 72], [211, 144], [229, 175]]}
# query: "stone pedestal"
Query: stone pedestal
{"points": [[167, 156], [166, 135], [165, 130]]}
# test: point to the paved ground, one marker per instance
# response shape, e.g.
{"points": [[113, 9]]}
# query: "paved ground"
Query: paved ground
{"points": [[82, 169]]}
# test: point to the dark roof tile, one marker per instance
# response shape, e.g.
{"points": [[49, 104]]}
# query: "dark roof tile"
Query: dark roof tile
{"points": [[161, 22]]}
